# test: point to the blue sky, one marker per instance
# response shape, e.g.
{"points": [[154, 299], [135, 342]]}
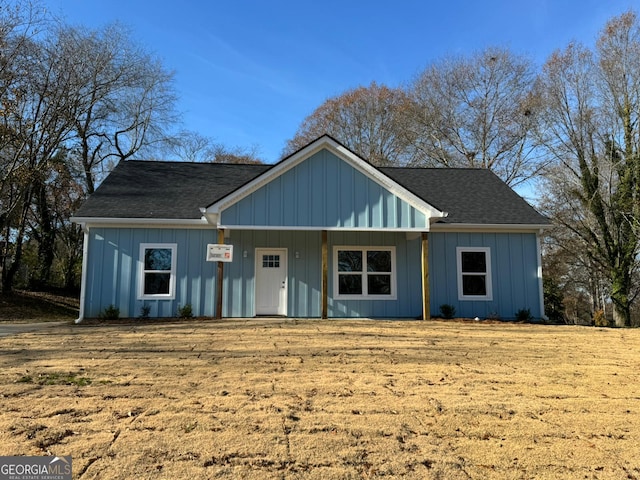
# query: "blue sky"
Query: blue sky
{"points": [[249, 72]]}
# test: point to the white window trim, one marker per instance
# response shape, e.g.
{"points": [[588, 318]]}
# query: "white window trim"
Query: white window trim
{"points": [[487, 251], [364, 296], [172, 279]]}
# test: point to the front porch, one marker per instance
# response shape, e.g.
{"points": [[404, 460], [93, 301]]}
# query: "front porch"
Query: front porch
{"points": [[316, 284]]}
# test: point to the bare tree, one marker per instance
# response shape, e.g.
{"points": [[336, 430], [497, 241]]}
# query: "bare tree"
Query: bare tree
{"points": [[43, 106], [188, 146], [368, 120], [86, 98], [194, 147], [591, 130], [64, 196], [568, 261], [476, 111], [19, 23], [126, 98]]}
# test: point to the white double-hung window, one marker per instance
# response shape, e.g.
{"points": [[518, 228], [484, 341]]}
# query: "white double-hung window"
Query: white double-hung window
{"points": [[157, 279], [474, 273], [364, 273]]}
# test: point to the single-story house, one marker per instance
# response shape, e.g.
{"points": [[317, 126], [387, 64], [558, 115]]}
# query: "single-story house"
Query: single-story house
{"points": [[323, 233]]}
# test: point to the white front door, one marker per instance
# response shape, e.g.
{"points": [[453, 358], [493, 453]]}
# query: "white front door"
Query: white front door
{"points": [[271, 281]]}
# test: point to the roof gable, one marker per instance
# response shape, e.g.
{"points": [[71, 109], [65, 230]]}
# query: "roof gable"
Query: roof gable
{"points": [[333, 172]]}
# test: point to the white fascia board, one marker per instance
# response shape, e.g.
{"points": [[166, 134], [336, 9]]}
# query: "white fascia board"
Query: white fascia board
{"points": [[143, 222], [489, 227], [354, 160], [320, 228]]}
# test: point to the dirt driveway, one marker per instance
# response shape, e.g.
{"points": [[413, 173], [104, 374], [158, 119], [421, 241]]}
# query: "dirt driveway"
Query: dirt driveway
{"points": [[7, 329], [286, 399]]}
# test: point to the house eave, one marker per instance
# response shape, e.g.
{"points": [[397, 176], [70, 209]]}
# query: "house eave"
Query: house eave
{"points": [[321, 228], [489, 227], [143, 222]]}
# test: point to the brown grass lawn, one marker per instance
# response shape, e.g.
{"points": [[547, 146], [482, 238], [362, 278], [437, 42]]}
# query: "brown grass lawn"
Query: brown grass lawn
{"points": [[286, 399]]}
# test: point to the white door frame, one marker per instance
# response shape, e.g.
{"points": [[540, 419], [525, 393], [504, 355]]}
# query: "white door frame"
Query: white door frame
{"points": [[282, 282]]}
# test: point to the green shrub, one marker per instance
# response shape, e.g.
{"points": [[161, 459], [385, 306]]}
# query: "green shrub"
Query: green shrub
{"points": [[186, 311], [447, 311], [524, 315], [144, 311], [111, 313]]}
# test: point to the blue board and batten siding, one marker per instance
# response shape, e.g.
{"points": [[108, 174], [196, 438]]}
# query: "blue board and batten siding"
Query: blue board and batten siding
{"points": [[113, 263], [408, 303], [113, 272], [323, 191], [304, 272], [514, 273]]}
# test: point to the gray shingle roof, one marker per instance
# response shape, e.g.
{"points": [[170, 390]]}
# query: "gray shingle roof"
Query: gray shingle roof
{"points": [[168, 190], [468, 195], [176, 190]]}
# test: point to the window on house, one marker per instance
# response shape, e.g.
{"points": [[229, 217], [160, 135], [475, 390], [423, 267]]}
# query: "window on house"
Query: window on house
{"points": [[364, 272], [271, 261], [474, 273], [158, 270]]}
